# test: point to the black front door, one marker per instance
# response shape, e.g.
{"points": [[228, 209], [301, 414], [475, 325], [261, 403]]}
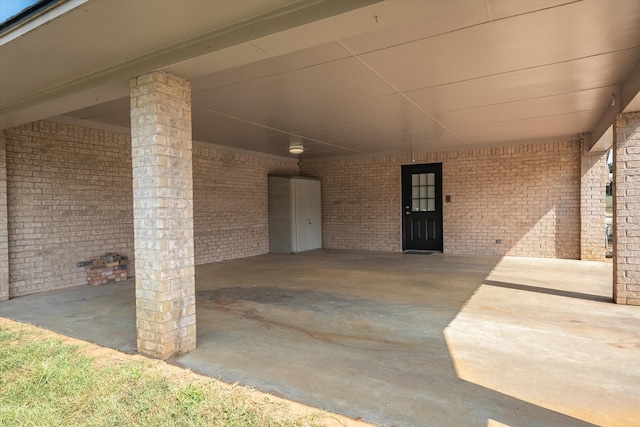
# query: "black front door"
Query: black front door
{"points": [[422, 207]]}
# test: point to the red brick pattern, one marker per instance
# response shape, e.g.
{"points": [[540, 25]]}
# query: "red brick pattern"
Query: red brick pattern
{"points": [[107, 268], [527, 196], [626, 209]]}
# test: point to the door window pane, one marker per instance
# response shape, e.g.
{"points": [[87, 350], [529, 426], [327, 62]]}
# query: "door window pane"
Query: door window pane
{"points": [[423, 192]]}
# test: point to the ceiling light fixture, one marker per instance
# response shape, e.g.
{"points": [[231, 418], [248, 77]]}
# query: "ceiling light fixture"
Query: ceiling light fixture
{"points": [[295, 146]]}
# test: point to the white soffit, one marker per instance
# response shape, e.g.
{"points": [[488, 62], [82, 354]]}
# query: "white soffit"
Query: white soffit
{"points": [[132, 32], [99, 44], [498, 47], [398, 76]]}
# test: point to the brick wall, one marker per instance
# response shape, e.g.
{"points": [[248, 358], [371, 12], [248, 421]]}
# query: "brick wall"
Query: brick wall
{"points": [[594, 179], [528, 196], [69, 197], [231, 202], [4, 243], [361, 206], [626, 209]]}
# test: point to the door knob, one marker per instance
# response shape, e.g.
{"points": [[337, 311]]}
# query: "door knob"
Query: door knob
{"points": [[407, 213]]}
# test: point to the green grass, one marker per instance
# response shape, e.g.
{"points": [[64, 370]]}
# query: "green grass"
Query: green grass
{"points": [[45, 382]]}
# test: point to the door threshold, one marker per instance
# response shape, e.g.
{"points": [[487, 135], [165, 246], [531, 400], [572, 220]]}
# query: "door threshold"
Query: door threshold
{"points": [[420, 252]]}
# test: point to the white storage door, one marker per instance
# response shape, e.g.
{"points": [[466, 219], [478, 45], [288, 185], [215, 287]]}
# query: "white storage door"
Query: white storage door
{"points": [[295, 222], [308, 216]]}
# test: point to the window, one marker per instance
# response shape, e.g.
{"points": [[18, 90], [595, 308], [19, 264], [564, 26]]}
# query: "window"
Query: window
{"points": [[423, 192]]}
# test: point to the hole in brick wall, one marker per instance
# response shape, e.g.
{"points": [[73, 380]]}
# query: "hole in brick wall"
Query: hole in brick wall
{"points": [[106, 268]]}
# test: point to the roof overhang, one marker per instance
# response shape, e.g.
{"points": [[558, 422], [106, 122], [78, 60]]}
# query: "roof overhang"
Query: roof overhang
{"points": [[358, 77]]}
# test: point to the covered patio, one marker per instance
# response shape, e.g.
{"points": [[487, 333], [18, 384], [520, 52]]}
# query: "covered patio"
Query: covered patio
{"points": [[155, 139], [396, 339]]}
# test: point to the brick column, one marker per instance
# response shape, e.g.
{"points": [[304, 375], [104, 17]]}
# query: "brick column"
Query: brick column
{"points": [[4, 237], [626, 209], [163, 214], [595, 176]]}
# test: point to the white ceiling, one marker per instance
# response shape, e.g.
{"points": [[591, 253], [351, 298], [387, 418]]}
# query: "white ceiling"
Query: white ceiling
{"points": [[394, 76]]}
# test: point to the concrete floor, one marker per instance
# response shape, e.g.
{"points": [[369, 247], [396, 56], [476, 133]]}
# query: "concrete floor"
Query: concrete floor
{"points": [[399, 340]]}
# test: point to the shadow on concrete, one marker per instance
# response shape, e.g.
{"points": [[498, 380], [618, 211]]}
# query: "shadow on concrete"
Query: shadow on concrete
{"points": [[357, 333], [360, 334], [550, 291]]}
